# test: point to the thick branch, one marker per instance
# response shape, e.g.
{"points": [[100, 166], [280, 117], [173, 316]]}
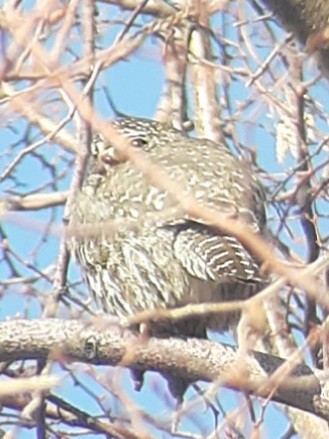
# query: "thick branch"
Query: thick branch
{"points": [[195, 359]]}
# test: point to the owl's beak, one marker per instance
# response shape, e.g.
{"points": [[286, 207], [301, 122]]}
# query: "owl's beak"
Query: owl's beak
{"points": [[111, 156]]}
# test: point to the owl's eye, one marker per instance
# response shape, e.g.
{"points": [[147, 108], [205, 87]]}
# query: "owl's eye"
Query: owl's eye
{"points": [[138, 142]]}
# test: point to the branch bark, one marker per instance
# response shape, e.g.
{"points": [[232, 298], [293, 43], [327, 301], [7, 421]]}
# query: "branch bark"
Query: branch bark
{"points": [[196, 359]]}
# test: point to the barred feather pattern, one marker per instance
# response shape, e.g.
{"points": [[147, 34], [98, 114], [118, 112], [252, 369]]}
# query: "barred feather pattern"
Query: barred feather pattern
{"points": [[165, 259]]}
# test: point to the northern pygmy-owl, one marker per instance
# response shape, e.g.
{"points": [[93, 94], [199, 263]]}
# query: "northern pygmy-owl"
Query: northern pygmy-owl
{"points": [[165, 259]]}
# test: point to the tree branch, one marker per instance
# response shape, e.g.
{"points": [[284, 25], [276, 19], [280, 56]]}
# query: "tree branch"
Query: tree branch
{"points": [[261, 374]]}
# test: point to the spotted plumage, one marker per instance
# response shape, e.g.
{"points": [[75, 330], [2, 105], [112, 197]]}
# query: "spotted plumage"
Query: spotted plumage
{"points": [[157, 257]]}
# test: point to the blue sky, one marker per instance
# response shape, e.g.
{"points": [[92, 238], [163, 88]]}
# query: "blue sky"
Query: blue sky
{"points": [[135, 85]]}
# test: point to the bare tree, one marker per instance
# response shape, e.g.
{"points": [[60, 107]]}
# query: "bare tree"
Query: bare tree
{"points": [[227, 70]]}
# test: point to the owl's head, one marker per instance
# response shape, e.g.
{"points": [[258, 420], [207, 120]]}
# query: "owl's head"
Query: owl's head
{"points": [[142, 133]]}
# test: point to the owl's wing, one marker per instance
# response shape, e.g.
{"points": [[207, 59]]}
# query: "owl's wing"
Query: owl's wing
{"points": [[217, 179], [207, 255]]}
